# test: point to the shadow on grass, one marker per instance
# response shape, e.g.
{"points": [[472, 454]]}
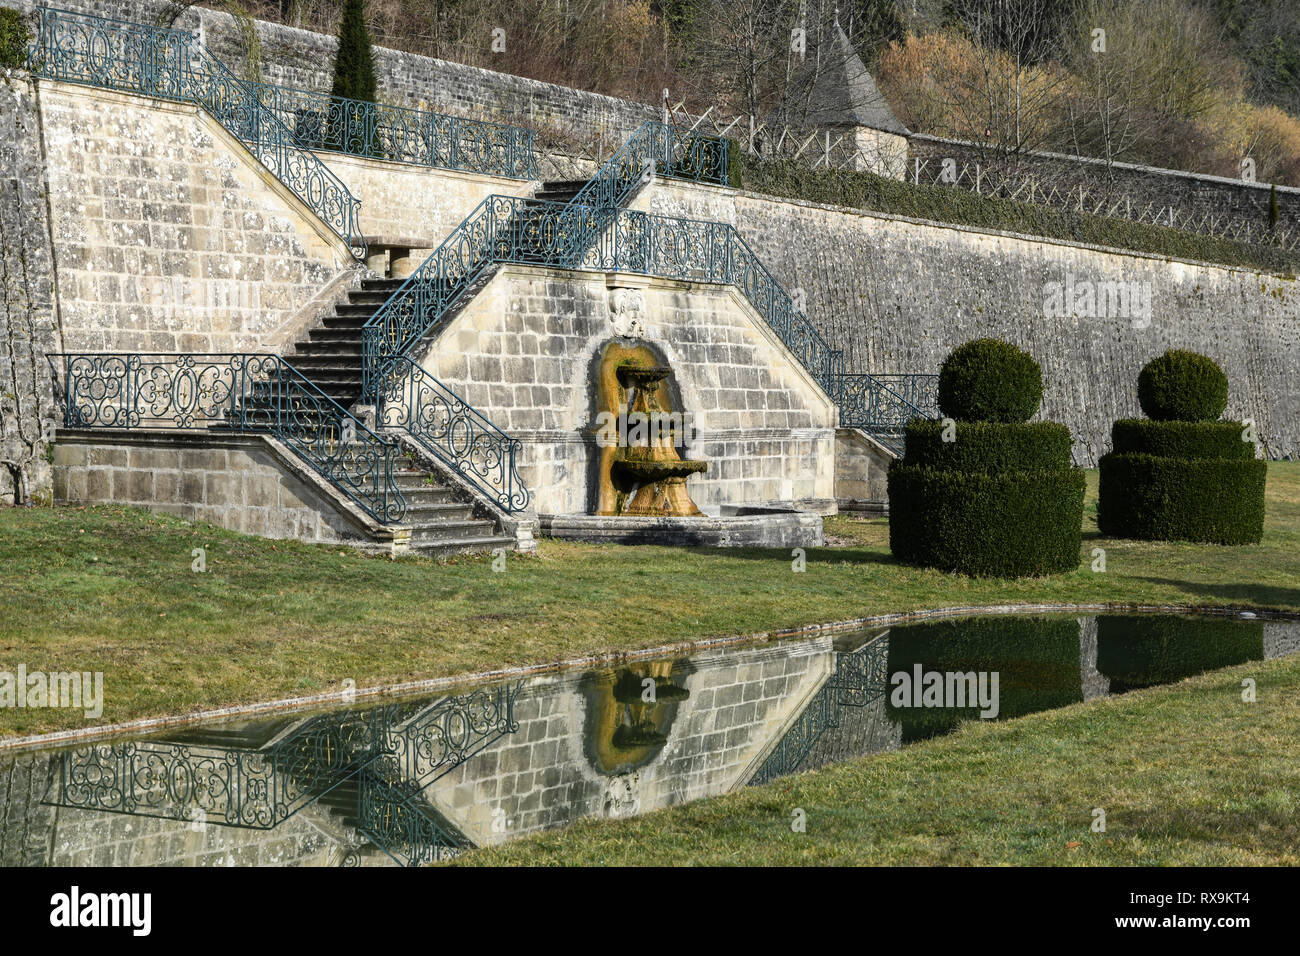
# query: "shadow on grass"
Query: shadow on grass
{"points": [[1256, 594], [823, 555]]}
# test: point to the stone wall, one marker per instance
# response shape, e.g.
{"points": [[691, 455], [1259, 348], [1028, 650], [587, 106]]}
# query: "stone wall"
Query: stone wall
{"points": [[416, 202], [28, 321], [243, 483], [543, 776], [169, 236], [524, 349], [305, 60], [897, 295]]}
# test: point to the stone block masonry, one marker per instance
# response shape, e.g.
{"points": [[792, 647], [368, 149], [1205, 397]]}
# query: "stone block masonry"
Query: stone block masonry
{"points": [[898, 295], [28, 321], [524, 349], [242, 483], [169, 236]]}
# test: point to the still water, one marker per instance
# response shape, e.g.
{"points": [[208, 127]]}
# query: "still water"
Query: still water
{"points": [[424, 779]]}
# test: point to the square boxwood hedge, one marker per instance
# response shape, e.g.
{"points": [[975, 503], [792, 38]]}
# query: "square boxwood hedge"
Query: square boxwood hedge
{"points": [[1211, 500], [1142, 436], [989, 447], [1015, 524]]}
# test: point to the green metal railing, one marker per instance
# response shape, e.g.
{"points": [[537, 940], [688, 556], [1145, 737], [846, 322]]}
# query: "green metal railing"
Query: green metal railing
{"points": [[445, 426], [170, 64], [242, 392], [882, 405], [399, 134]]}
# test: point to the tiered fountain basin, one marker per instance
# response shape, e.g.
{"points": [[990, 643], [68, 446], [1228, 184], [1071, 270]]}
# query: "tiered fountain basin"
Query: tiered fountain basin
{"points": [[644, 497]]}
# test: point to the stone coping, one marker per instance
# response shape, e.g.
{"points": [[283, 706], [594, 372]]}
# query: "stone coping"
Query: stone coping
{"points": [[292, 705], [747, 528]]}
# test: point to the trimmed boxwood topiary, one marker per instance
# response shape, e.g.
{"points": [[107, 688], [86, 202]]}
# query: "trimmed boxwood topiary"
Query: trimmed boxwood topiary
{"points": [[987, 380], [999, 498], [1181, 476], [1180, 439], [1212, 500], [1010, 524], [1183, 386], [989, 446]]}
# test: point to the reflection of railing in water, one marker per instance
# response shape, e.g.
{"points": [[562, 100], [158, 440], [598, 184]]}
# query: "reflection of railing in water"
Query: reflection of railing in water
{"points": [[861, 678], [394, 819], [392, 752]]}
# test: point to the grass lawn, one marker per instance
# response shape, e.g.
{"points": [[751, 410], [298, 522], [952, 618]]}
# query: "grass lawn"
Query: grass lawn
{"points": [[112, 590], [1186, 774]]}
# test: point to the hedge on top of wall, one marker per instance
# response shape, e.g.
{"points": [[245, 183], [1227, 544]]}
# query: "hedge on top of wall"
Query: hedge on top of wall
{"points": [[952, 204]]}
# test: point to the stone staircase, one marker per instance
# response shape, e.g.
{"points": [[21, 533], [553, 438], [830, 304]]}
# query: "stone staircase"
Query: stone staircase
{"points": [[440, 524]]}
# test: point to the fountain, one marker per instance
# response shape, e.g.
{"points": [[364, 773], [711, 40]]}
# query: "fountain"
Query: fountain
{"points": [[649, 478], [640, 479]]}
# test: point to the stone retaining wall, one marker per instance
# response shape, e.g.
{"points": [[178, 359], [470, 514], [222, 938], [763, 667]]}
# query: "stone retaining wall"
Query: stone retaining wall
{"points": [[898, 295]]}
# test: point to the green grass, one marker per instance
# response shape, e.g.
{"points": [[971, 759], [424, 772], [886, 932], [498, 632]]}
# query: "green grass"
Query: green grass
{"points": [[1186, 774], [111, 590]]}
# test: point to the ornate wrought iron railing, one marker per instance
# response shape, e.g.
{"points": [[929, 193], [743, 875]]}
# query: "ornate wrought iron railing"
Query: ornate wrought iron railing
{"points": [[169, 64], [228, 786], [405, 827], [705, 251], [399, 134], [655, 149], [440, 738], [509, 229], [882, 405], [861, 678], [449, 429], [241, 392]]}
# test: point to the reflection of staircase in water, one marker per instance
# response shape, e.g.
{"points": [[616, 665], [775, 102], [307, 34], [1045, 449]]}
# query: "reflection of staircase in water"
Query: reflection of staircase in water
{"points": [[364, 769], [860, 680]]}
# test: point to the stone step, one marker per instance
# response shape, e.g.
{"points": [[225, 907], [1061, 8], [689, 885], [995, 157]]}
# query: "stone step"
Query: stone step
{"points": [[435, 531], [370, 296], [341, 322], [449, 547], [422, 513], [365, 310], [369, 285]]}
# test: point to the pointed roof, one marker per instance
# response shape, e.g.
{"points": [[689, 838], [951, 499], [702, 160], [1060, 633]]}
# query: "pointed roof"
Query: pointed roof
{"points": [[843, 92]]}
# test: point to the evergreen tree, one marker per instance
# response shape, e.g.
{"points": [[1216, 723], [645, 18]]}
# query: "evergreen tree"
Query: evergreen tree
{"points": [[354, 65]]}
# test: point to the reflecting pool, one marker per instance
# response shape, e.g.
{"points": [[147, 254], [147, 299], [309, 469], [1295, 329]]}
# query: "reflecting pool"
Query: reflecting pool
{"points": [[422, 779]]}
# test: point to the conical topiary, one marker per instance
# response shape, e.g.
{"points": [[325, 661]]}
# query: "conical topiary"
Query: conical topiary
{"points": [[354, 63]]}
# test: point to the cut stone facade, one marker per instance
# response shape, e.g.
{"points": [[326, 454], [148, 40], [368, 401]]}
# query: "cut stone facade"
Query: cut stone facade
{"points": [[524, 349]]}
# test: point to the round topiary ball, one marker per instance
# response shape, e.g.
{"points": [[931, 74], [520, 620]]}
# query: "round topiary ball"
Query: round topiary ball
{"points": [[1183, 386], [987, 380]]}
